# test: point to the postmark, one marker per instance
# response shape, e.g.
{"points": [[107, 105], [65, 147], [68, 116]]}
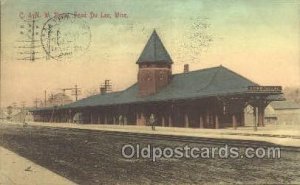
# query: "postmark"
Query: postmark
{"points": [[27, 41], [65, 36]]}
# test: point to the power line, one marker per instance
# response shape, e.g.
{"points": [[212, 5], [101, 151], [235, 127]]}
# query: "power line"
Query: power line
{"points": [[75, 91]]}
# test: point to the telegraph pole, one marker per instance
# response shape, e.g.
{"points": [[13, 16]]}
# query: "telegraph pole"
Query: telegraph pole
{"points": [[45, 100], [76, 92]]}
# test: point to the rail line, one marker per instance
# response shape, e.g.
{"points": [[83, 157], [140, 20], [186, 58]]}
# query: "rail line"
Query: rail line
{"points": [[183, 139]]}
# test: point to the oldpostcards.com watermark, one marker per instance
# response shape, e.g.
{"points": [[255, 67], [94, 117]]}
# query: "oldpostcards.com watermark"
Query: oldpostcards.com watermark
{"points": [[154, 153]]}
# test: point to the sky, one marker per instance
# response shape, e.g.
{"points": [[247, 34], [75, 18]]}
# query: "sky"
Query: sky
{"points": [[258, 39]]}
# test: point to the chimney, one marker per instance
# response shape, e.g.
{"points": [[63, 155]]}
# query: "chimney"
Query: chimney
{"points": [[186, 68], [102, 90], [106, 87]]}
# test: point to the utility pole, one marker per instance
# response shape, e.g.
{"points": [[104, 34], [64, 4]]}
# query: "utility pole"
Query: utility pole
{"points": [[76, 91], [45, 100]]}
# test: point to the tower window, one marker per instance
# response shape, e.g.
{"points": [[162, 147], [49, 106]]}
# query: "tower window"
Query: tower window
{"points": [[161, 75]]}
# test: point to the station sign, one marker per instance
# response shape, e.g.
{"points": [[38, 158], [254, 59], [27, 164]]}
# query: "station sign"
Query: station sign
{"points": [[264, 89]]}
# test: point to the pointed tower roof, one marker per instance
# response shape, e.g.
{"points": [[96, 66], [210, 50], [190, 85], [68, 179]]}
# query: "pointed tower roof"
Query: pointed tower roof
{"points": [[154, 51]]}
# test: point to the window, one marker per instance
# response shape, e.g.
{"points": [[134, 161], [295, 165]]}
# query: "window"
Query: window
{"points": [[161, 75], [148, 76]]}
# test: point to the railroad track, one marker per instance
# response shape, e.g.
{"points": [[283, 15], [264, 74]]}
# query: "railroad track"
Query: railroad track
{"points": [[185, 139]]}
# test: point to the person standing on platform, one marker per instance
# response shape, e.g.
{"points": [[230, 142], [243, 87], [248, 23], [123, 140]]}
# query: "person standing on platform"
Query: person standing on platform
{"points": [[121, 120], [152, 121]]}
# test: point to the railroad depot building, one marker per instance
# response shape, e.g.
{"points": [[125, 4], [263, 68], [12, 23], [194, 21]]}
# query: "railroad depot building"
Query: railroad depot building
{"points": [[283, 113], [207, 98]]}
